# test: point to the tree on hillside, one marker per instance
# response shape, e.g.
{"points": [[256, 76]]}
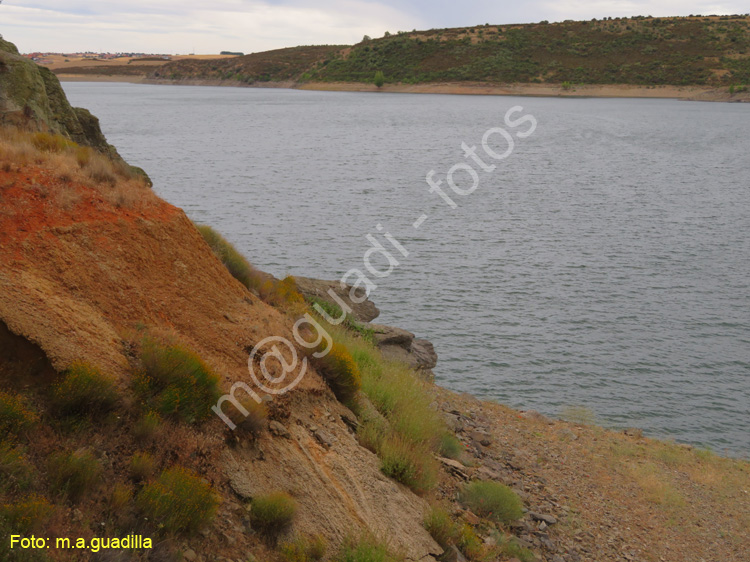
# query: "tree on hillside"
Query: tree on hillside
{"points": [[379, 78]]}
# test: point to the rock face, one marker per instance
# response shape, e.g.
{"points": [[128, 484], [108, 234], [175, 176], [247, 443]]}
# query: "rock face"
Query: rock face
{"points": [[394, 343], [364, 311], [398, 344], [31, 97]]}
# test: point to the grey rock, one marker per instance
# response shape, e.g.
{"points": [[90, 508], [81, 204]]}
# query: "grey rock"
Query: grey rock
{"points": [[364, 311], [388, 335], [454, 467], [190, 555], [278, 429], [324, 438], [452, 554], [548, 519]]}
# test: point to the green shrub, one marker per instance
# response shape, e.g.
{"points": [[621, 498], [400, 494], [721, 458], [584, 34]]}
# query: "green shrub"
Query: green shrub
{"points": [[176, 382], [441, 527], [308, 549], [84, 391], [273, 512], [235, 262], [15, 416], [379, 79], [16, 473], [364, 550], [450, 446], [179, 501], [74, 474], [492, 500], [141, 466], [341, 373]]}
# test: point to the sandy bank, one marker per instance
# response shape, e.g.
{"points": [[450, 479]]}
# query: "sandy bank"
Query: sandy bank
{"points": [[695, 93]]}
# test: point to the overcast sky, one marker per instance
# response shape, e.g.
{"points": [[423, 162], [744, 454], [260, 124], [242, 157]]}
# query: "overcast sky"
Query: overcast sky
{"points": [[176, 27]]}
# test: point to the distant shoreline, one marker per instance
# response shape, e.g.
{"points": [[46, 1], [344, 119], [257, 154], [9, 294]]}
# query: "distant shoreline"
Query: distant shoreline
{"points": [[688, 93]]}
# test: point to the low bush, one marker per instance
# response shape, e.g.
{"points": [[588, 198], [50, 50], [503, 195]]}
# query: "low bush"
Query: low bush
{"points": [[450, 446], [84, 391], [15, 416], [308, 549], [176, 382], [364, 550], [16, 473], [272, 513], [26, 516], [469, 543], [492, 500], [74, 474], [141, 466], [341, 373], [179, 501], [441, 527]]}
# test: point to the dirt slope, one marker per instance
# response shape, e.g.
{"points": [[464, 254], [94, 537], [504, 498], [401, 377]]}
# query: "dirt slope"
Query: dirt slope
{"points": [[78, 278]]}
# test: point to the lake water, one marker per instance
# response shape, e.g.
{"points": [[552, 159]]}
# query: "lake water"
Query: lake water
{"points": [[604, 264]]}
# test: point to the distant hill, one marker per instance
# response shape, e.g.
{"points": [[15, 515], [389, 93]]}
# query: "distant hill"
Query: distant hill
{"points": [[712, 51]]}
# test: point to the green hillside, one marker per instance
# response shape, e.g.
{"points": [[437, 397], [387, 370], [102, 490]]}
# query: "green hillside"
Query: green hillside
{"points": [[711, 51]]}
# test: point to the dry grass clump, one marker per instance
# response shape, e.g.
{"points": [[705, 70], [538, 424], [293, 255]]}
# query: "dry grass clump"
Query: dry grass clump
{"points": [[365, 549], [341, 372], [74, 474], [141, 466], [15, 416], [147, 428], [24, 516], [16, 473], [179, 501], [272, 513], [308, 549], [118, 183], [274, 292], [84, 391]]}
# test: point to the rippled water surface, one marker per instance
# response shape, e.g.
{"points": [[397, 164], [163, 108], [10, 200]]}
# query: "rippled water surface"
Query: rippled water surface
{"points": [[605, 263]]}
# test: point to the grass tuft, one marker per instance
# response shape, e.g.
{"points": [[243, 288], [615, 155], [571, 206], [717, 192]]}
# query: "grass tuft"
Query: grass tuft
{"points": [[441, 527], [74, 474], [273, 512], [309, 549], [341, 373], [176, 382], [492, 500], [179, 501], [15, 417], [16, 473], [84, 391]]}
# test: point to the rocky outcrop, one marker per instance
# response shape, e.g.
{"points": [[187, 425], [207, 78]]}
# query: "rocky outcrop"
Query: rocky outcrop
{"points": [[364, 311], [31, 98], [394, 343], [401, 345]]}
